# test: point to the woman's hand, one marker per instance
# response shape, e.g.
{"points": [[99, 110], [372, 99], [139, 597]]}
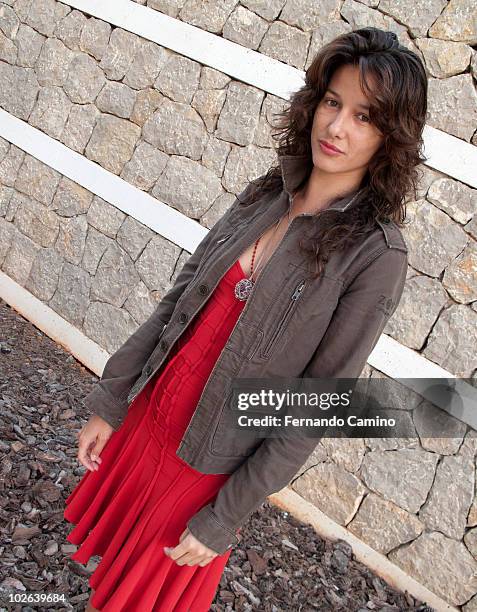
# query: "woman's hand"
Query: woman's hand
{"points": [[190, 551], [91, 440]]}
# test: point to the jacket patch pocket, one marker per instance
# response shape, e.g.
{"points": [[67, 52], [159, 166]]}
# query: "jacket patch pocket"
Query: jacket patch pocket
{"points": [[222, 443]]}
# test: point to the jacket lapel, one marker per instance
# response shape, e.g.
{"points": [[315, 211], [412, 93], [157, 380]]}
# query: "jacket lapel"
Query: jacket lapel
{"points": [[296, 168]]}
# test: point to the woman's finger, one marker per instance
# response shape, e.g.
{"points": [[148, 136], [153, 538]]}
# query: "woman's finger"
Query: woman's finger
{"points": [[97, 449], [94, 459], [91, 441], [190, 551], [207, 560], [196, 560], [185, 558], [83, 453]]}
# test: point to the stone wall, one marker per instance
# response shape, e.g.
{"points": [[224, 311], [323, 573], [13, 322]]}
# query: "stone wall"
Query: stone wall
{"points": [[412, 499], [193, 137], [442, 32]]}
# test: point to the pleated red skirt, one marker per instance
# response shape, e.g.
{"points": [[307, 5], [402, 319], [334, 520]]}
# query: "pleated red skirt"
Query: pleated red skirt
{"points": [[143, 494]]}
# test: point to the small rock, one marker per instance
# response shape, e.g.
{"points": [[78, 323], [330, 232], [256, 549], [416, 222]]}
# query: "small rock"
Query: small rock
{"points": [[51, 548], [286, 542]]}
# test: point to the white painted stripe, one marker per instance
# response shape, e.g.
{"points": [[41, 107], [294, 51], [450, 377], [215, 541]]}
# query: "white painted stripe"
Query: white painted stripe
{"points": [[446, 153], [209, 49], [450, 155], [163, 219], [53, 325], [409, 367], [289, 500], [399, 361]]}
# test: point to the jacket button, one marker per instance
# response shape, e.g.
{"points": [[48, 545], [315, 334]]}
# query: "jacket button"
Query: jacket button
{"points": [[148, 369], [203, 289], [164, 344], [386, 220], [183, 317]]}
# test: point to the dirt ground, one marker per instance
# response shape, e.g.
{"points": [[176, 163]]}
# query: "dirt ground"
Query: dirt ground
{"points": [[280, 564]]}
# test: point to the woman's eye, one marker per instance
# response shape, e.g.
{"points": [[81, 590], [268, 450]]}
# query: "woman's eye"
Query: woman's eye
{"points": [[367, 120]]}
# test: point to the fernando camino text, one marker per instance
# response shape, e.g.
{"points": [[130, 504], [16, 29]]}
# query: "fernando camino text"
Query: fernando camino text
{"points": [[334, 421]]}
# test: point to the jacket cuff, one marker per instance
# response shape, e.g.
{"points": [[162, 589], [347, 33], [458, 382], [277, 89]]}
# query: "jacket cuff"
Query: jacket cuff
{"points": [[206, 527], [100, 402]]}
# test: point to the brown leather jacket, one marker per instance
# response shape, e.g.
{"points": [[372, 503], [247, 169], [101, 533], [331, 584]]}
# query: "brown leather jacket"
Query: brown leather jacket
{"points": [[333, 327]]}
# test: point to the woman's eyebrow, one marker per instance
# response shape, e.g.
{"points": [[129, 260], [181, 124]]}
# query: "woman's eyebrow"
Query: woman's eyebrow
{"points": [[335, 93]]}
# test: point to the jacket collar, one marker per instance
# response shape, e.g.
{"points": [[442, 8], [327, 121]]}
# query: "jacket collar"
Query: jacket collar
{"points": [[296, 168]]}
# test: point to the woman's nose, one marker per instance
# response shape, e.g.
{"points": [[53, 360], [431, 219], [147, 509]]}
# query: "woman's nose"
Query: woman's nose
{"points": [[337, 128]]}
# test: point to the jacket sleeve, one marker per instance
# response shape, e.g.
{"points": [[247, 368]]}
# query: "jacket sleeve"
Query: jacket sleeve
{"points": [[353, 331], [108, 398]]}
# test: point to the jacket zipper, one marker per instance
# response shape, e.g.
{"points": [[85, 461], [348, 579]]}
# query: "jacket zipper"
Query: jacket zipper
{"points": [[224, 238], [217, 243], [296, 294], [223, 349], [290, 308]]}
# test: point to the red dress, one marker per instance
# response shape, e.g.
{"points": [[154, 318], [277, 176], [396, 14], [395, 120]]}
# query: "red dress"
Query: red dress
{"points": [[143, 494]]}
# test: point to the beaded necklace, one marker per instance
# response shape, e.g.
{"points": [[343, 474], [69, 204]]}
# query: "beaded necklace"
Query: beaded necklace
{"points": [[244, 287]]}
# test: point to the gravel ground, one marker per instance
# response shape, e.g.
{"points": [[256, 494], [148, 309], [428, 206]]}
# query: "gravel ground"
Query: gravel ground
{"points": [[281, 563]]}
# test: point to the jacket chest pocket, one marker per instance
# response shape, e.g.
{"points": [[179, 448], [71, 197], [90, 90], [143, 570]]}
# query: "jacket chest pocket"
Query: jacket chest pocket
{"points": [[207, 260], [220, 241], [276, 334], [214, 246]]}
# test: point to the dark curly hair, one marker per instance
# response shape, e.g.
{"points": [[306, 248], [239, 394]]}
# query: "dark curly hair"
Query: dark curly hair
{"points": [[398, 107]]}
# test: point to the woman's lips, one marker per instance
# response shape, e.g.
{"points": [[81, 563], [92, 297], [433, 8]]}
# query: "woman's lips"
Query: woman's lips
{"points": [[328, 150]]}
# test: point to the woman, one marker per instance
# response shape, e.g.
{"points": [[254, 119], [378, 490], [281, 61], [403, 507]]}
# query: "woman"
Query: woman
{"points": [[164, 503]]}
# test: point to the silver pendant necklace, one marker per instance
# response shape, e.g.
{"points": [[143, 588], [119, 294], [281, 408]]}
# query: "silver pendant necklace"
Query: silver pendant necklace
{"points": [[244, 287]]}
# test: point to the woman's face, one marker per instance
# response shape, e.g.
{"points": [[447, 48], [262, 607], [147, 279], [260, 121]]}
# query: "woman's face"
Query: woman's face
{"points": [[342, 119]]}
